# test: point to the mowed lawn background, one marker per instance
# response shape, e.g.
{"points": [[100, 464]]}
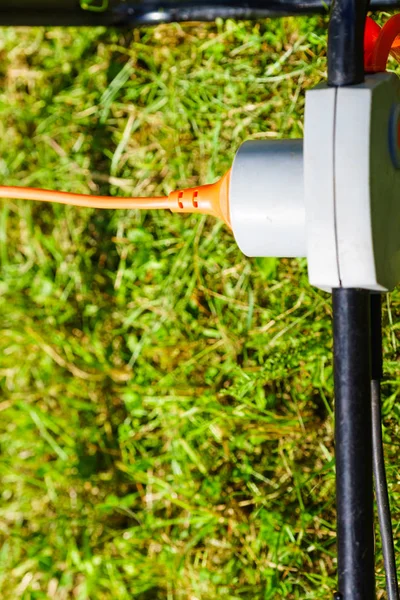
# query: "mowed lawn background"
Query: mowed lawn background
{"points": [[166, 403]]}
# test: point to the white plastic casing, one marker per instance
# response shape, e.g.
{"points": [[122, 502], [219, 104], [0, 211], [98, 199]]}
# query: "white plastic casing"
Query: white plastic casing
{"points": [[341, 208], [319, 184], [352, 184], [266, 198]]}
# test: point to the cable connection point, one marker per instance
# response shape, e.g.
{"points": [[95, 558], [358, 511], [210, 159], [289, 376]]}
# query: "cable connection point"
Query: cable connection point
{"points": [[211, 199]]}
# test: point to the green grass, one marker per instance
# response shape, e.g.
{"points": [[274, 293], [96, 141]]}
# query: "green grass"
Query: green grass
{"points": [[165, 413]]}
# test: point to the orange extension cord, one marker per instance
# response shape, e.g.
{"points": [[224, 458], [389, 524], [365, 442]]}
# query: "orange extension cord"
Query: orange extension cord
{"points": [[212, 199], [86, 201]]}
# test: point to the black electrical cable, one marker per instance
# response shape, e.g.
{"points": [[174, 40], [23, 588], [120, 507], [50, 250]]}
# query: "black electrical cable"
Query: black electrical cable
{"points": [[382, 495], [381, 489]]}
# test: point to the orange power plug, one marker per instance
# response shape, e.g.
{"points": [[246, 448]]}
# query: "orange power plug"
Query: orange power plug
{"points": [[211, 199]]}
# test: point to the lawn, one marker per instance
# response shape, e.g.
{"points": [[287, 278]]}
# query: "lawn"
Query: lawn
{"points": [[166, 426]]}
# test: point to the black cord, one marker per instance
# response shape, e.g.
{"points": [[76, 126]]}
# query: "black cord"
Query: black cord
{"points": [[382, 496], [381, 489]]}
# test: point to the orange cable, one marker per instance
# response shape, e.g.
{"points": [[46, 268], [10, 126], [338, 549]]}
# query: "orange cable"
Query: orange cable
{"points": [[87, 201], [211, 199]]}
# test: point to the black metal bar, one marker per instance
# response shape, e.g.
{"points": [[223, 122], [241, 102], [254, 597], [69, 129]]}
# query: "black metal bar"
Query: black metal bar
{"points": [[351, 329], [130, 13], [346, 42], [352, 359]]}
